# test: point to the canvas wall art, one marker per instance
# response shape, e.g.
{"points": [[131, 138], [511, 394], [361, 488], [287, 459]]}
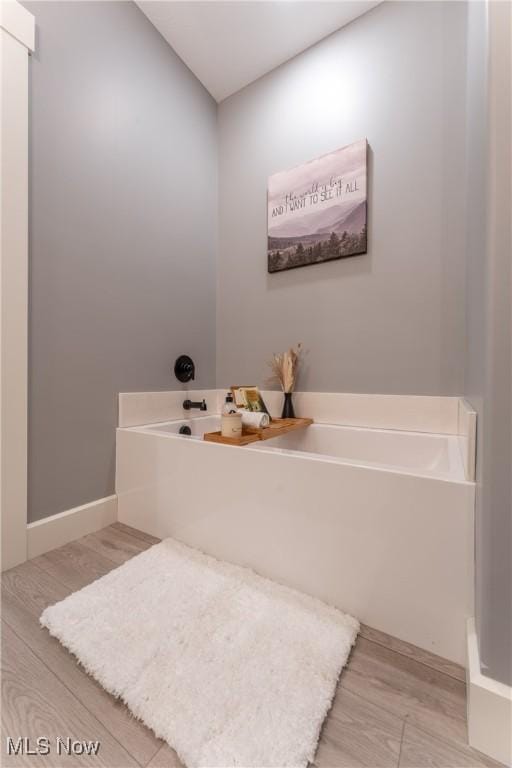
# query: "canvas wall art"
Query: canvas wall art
{"points": [[317, 211]]}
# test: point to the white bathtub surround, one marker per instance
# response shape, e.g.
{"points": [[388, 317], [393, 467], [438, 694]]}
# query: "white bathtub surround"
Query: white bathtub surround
{"points": [[57, 530], [152, 407], [173, 632], [417, 413], [466, 429], [375, 522], [489, 706]]}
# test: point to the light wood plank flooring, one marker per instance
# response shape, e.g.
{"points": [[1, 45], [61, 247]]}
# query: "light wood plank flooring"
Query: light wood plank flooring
{"points": [[395, 705]]}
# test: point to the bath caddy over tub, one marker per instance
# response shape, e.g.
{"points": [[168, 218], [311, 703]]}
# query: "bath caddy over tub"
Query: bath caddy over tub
{"points": [[276, 428]]}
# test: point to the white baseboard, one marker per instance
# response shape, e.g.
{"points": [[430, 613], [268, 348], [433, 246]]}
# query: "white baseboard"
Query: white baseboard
{"points": [[57, 530], [489, 705]]}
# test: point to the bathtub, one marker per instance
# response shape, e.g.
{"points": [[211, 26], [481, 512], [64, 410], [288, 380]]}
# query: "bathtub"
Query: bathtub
{"points": [[419, 453], [377, 522]]}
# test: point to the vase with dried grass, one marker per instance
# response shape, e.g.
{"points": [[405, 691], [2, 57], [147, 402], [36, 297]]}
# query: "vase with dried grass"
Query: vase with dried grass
{"points": [[284, 366]]}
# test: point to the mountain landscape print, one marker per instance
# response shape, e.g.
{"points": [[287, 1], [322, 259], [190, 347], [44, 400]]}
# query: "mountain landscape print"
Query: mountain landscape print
{"points": [[317, 211]]}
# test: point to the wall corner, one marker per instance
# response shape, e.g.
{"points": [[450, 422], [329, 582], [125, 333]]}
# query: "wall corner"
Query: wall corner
{"points": [[489, 707]]}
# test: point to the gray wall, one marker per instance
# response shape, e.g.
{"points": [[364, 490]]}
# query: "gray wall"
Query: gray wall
{"points": [[122, 236], [390, 321], [488, 353]]}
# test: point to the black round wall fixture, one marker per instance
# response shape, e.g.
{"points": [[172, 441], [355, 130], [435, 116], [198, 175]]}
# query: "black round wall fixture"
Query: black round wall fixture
{"points": [[184, 369]]}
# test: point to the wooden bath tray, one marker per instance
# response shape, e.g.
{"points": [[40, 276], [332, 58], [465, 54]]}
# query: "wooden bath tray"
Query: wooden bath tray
{"points": [[276, 428], [216, 437]]}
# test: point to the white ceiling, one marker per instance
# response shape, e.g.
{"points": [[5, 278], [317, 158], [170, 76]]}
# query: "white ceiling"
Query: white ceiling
{"points": [[229, 43]]}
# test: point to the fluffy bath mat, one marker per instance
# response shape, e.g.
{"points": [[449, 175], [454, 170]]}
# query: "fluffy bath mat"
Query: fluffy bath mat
{"points": [[229, 668]]}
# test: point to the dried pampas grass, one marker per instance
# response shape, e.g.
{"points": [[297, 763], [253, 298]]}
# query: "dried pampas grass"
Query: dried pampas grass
{"points": [[284, 367]]}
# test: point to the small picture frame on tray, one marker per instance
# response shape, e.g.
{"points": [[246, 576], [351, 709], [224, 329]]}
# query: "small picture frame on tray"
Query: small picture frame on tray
{"points": [[249, 398]]}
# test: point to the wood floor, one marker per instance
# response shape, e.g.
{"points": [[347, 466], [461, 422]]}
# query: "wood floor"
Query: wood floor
{"points": [[395, 705]]}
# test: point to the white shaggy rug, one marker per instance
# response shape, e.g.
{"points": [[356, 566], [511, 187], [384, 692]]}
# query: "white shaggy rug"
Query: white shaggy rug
{"points": [[229, 668]]}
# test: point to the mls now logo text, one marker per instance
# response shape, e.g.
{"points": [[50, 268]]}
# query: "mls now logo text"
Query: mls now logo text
{"points": [[44, 746]]}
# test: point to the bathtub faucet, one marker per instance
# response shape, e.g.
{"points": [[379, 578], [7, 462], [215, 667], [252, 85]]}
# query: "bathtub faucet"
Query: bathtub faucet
{"points": [[188, 404]]}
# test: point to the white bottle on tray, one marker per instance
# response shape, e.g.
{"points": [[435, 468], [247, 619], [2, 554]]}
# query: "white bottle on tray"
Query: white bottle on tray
{"points": [[231, 420]]}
